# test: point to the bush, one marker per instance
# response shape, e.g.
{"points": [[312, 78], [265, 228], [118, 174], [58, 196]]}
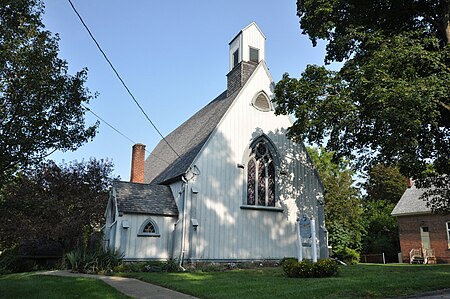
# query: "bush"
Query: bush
{"points": [[170, 265], [287, 259], [348, 255], [307, 269], [11, 262], [83, 261]]}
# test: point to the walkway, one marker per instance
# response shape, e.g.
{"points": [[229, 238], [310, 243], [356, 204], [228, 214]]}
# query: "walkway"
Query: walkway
{"points": [[129, 286]]}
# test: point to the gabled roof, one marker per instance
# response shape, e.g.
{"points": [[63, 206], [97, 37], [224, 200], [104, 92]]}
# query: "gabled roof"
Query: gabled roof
{"points": [[144, 199], [411, 204], [246, 27], [163, 165]]}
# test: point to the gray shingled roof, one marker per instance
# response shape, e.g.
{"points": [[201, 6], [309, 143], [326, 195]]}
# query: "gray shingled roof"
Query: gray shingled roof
{"points": [[145, 199], [163, 165], [410, 203]]}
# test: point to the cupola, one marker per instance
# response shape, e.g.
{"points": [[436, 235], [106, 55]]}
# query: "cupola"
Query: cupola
{"points": [[247, 49]]}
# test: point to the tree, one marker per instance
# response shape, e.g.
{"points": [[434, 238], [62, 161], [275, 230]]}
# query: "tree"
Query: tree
{"points": [[381, 230], [41, 105], [342, 204], [57, 203], [385, 183], [389, 102]]}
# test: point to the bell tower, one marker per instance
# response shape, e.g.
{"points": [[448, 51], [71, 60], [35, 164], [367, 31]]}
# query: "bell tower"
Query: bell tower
{"points": [[247, 49]]}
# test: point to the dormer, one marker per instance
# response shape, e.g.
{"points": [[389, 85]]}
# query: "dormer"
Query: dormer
{"points": [[247, 49], [248, 45]]}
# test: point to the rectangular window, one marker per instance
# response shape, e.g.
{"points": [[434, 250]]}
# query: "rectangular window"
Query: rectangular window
{"points": [[448, 234], [235, 57], [254, 55]]}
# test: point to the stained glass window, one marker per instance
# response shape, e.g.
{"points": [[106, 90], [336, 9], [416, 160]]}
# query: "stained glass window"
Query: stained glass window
{"points": [[149, 228], [261, 176], [251, 179], [261, 182]]}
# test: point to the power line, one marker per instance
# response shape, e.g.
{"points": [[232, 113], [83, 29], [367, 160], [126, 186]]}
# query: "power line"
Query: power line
{"points": [[123, 135], [120, 78]]}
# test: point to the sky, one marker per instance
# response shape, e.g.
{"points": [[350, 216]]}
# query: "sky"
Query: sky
{"points": [[173, 56]]}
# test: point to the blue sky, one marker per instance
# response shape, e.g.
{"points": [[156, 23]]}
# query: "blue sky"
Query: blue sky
{"points": [[173, 55]]}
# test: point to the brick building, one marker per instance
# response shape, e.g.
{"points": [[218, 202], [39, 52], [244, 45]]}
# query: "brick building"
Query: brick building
{"points": [[420, 229]]}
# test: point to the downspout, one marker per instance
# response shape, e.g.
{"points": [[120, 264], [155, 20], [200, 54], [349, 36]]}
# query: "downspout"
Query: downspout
{"points": [[183, 223]]}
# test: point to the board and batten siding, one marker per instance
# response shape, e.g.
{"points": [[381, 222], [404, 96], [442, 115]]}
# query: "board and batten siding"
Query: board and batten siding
{"points": [[139, 247], [250, 36], [228, 232]]}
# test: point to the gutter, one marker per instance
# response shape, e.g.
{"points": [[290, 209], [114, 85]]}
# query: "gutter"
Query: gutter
{"points": [[183, 223]]}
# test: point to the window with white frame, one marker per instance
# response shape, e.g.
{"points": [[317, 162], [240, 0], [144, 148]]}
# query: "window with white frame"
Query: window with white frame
{"points": [[261, 102], [254, 54], [149, 229], [261, 175], [235, 57]]}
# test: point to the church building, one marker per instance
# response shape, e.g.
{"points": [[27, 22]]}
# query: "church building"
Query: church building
{"points": [[226, 185]]}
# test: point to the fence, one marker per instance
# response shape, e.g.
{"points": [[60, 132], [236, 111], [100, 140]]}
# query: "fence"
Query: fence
{"points": [[376, 258]]}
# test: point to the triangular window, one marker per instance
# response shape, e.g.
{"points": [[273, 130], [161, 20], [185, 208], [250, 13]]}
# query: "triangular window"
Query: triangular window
{"points": [[261, 102]]}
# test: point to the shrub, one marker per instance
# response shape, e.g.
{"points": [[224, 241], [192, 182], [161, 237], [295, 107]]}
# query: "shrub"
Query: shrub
{"points": [[348, 255], [170, 265], [307, 269], [325, 268], [83, 261], [287, 259]]}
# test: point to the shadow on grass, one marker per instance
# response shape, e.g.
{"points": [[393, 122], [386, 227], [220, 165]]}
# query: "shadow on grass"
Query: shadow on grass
{"points": [[31, 285], [359, 281]]}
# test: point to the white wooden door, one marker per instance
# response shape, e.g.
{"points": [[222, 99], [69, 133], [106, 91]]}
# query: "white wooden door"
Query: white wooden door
{"points": [[425, 237]]}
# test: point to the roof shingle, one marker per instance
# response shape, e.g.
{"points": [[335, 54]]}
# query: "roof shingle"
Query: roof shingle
{"points": [[163, 165], [145, 199], [410, 203]]}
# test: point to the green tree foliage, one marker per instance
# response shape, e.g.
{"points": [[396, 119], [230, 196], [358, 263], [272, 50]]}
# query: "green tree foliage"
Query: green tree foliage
{"points": [[381, 229], [385, 183], [390, 100], [57, 203], [41, 105], [343, 209]]}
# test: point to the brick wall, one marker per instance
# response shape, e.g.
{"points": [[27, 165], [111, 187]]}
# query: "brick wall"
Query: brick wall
{"points": [[409, 230], [137, 163]]}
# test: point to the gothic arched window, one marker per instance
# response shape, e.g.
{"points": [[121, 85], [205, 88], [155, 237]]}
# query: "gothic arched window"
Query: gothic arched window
{"points": [[149, 228], [261, 175]]}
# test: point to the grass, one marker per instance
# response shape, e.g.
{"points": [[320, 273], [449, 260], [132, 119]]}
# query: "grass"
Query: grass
{"points": [[31, 285], [359, 281]]}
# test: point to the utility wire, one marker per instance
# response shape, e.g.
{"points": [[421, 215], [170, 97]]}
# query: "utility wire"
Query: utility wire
{"points": [[120, 78], [109, 125], [123, 135]]}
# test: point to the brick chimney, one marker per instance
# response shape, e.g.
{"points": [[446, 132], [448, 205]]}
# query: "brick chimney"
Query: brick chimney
{"points": [[410, 182], [137, 163]]}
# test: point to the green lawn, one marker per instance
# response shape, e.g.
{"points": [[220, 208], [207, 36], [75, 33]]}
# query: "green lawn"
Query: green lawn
{"points": [[30, 285], [359, 281]]}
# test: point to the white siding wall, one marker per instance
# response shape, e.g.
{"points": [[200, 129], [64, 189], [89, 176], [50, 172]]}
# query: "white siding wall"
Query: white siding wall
{"points": [[137, 248], [249, 37], [252, 37], [225, 230], [236, 44]]}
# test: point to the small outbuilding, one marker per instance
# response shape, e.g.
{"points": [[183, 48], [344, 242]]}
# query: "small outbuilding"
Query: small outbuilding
{"points": [[424, 236]]}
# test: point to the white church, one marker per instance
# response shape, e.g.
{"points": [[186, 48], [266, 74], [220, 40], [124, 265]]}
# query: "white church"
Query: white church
{"points": [[227, 185]]}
